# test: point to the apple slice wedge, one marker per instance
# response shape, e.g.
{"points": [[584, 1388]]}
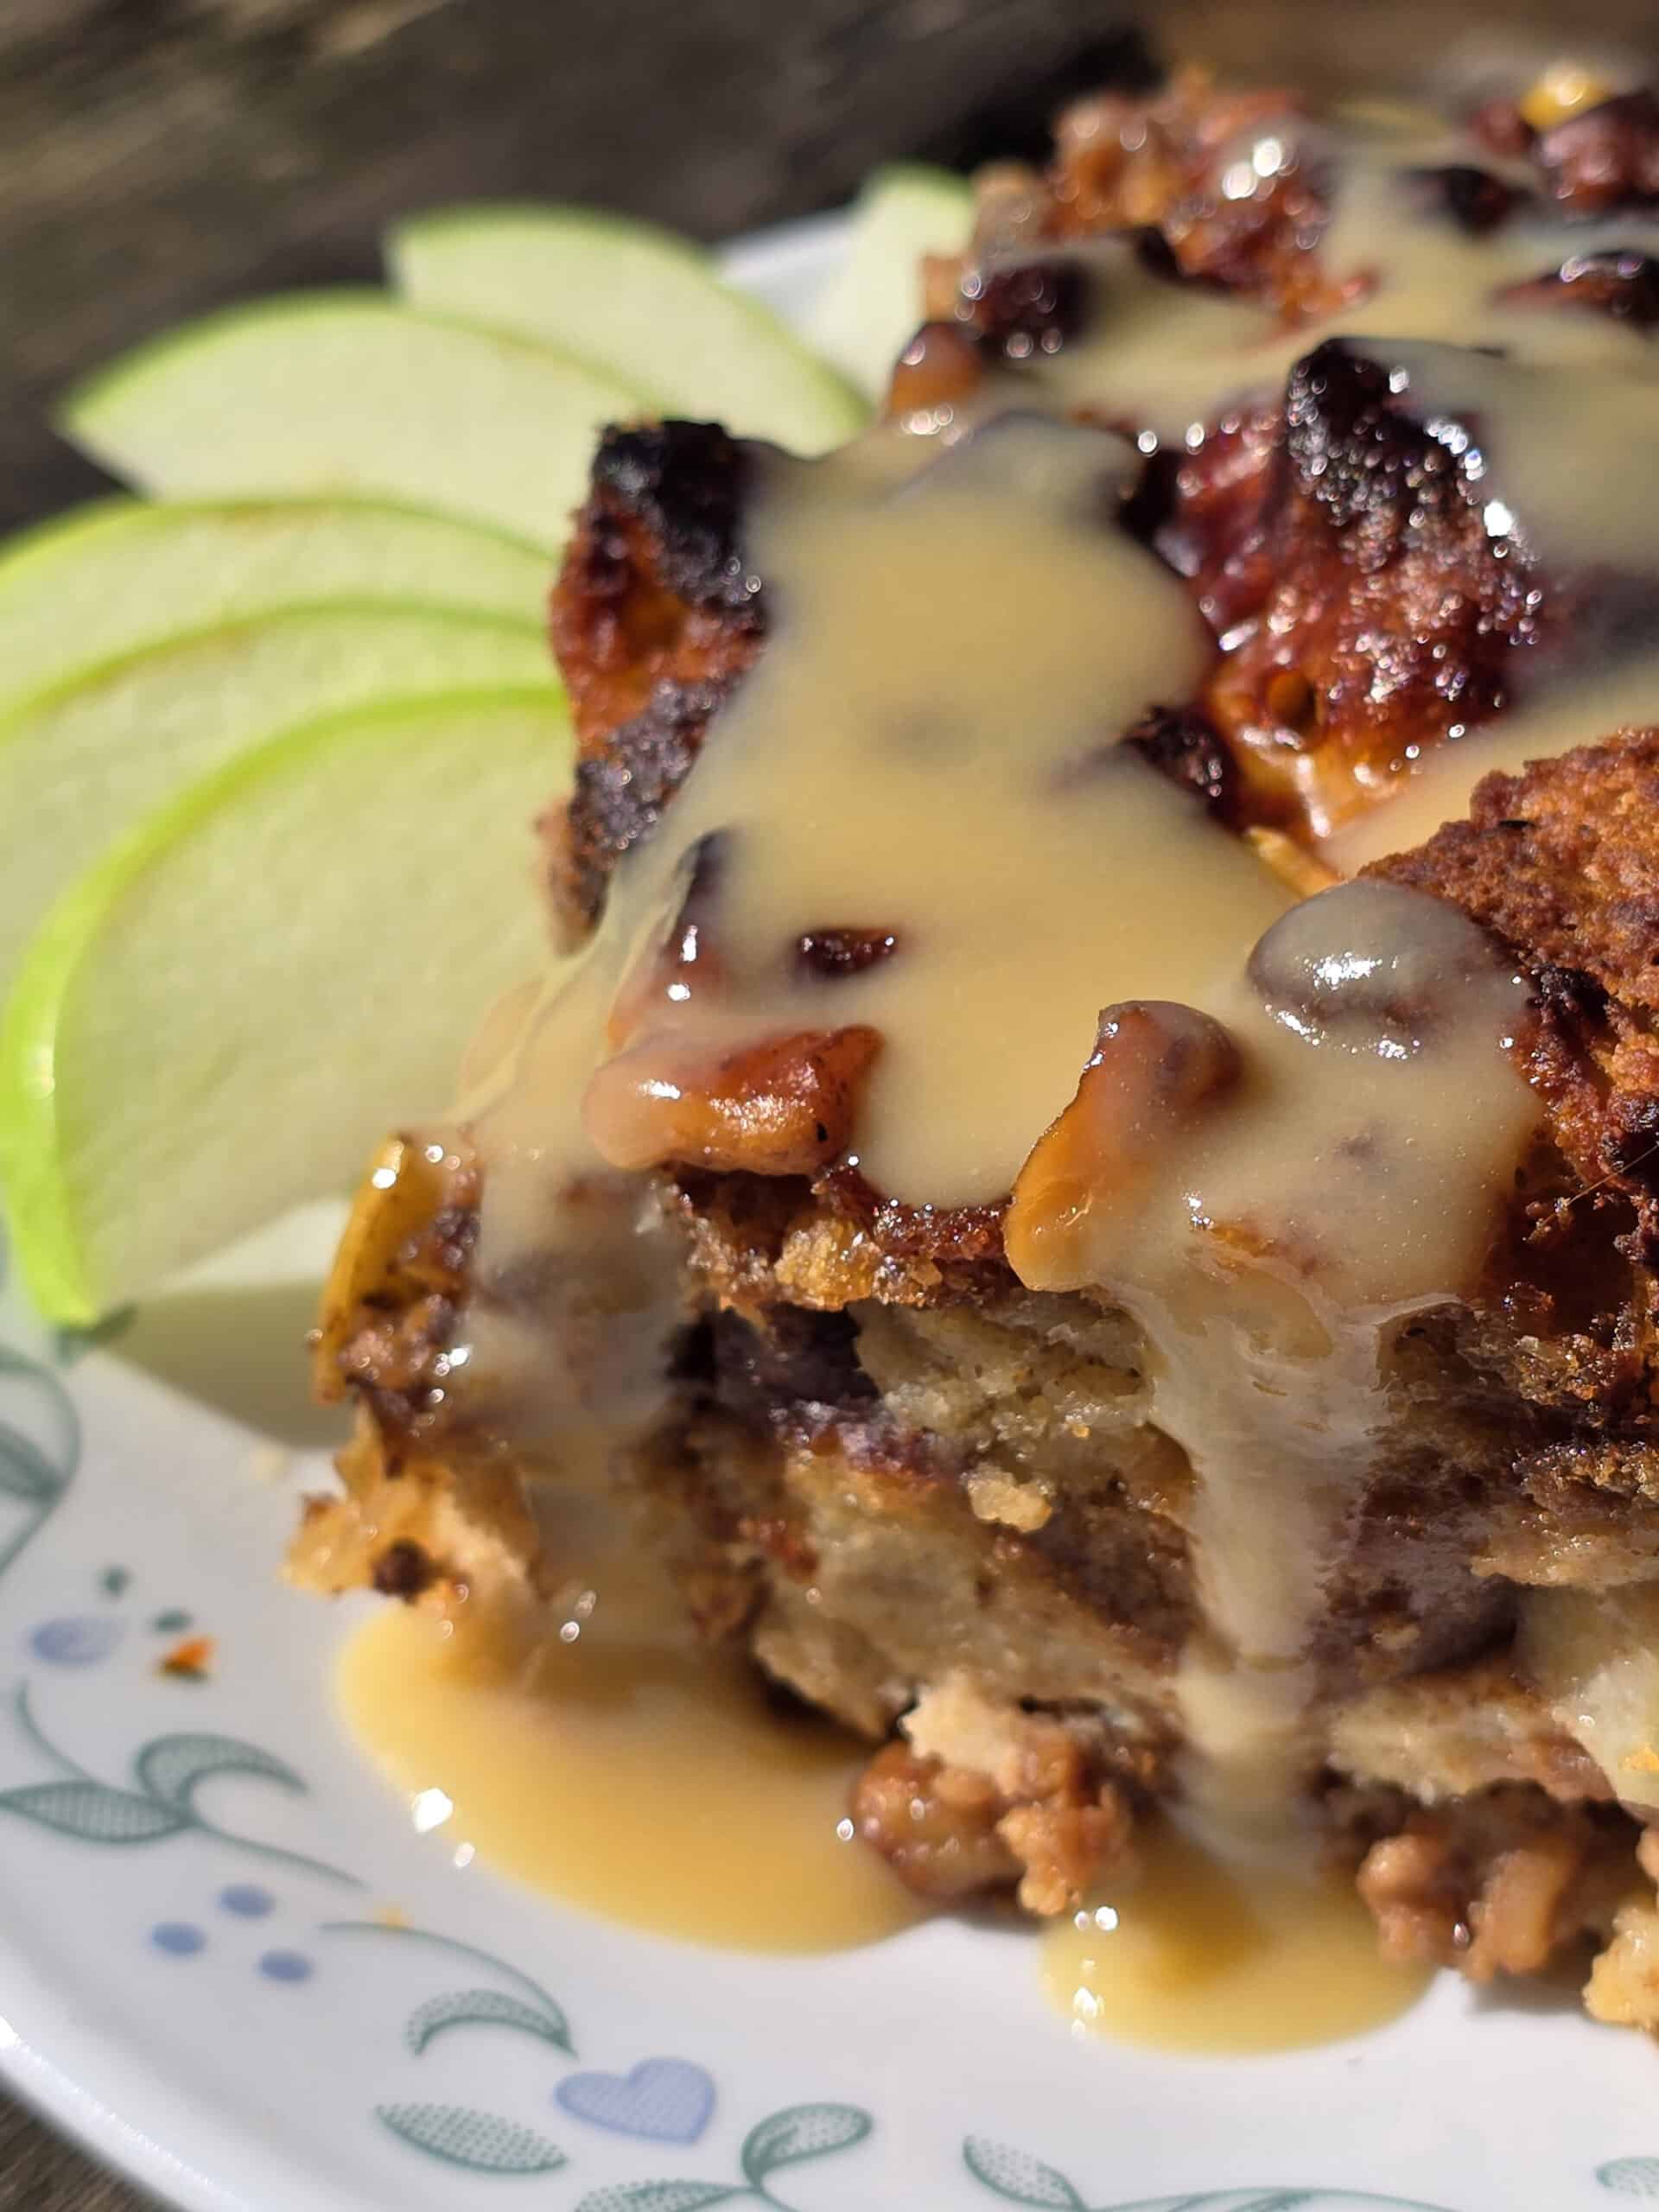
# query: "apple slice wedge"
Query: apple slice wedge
{"points": [[871, 306], [346, 391], [119, 574], [645, 303], [82, 763], [220, 1020]]}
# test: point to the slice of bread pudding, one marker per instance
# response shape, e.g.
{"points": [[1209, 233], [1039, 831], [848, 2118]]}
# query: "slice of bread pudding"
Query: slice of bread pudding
{"points": [[1096, 1269]]}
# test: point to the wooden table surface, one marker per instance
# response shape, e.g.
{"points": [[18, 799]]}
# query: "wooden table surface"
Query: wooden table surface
{"points": [[160, 156]]}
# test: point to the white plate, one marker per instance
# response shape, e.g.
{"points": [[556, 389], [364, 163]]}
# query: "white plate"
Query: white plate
{"points": [[193, 1979]]}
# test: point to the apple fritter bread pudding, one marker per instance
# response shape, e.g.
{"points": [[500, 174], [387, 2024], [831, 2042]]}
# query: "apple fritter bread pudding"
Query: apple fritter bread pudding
{"points": [[1105, 1263]]}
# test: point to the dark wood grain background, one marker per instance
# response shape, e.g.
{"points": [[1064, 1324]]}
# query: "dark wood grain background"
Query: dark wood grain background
{"points": [[160, 156]]}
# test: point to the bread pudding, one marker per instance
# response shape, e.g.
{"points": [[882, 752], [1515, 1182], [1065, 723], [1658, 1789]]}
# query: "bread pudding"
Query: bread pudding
{"points": [[1101, 1264]]}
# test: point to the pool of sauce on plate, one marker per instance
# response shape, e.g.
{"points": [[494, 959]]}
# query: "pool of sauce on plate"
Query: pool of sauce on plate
{"points": [[1192, 1954], [1343, 1165], [637, 1777], [623, 1767]]}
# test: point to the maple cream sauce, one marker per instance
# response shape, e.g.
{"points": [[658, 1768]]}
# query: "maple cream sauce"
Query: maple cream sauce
{"points": [[1170, 356], [620, 1763], [1270, 1192], [1275, 1155], [1184, 1952]]}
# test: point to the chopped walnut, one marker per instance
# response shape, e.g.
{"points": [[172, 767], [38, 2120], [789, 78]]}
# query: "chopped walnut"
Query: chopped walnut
{"points": [[1516, 1921], [1403, 1881], [1015, 1802], [935, 1826], [1624, 1986], [1065, 1848], [940, 368], [779, 1106], [1494, 1883], [1155, 1069]]}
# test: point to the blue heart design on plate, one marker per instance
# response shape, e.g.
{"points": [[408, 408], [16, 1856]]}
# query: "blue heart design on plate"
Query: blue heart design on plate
{"points": [[664, 2100]]}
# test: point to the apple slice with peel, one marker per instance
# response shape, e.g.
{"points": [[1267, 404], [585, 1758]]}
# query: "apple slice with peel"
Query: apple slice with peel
{"points": [[646, 304], [119, 574], [83, 762], [222, 1017], [872, 305], [333, 391]]}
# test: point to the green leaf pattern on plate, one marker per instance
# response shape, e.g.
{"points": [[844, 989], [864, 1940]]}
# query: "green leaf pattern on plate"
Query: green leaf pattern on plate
{"points": [[1019, 2176], [788, 2138], [481, 2008], [26, 1473], [802, 2132], [540, 2016], [170, 1768], [658, 2196], [480, 2141], [94, 1811], [167, 1770], [1630, 2177], [1023, 2179]]}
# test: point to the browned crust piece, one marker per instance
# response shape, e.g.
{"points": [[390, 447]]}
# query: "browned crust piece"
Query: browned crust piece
{"points": [[1126, 164], [1349, 543], [1122, 161], [1345, 547], [655, 617], [1562, 862]]}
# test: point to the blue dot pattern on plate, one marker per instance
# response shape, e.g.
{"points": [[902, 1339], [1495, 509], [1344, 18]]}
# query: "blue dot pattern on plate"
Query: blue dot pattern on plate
{"points": [[75, 1639], [247, 1901], [179, 1939], [286, 1966]]}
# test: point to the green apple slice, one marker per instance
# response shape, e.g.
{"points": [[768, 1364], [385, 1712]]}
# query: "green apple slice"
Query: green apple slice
{"points": [[647, 304], [81, 763], [119, 574], [221, 1018], [872, 306], [333, 391]]}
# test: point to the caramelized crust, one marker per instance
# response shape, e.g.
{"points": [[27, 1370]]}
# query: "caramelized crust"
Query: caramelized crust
{"points": [[1122, 163], [399, 1277], [1333, 542], [655, 617], [1342, 545], [1562, 863]]}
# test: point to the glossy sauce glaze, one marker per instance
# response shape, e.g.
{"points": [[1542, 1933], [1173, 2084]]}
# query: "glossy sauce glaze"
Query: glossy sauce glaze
{"points": [[1187, 1952], [625, 1766], [1271, 1188], [1270, 1131]]}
